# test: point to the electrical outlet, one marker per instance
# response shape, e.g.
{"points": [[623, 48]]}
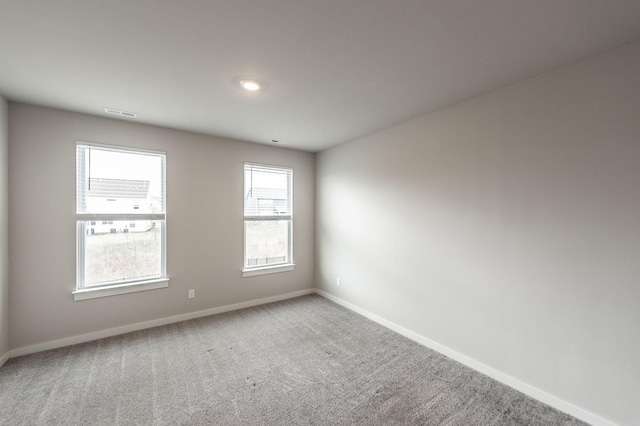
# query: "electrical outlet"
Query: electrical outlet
{"points": [[192, 294], [338, 282]]}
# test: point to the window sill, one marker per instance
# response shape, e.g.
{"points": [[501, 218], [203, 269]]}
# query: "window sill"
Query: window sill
{"points": [[93, 293], [267, 270]]}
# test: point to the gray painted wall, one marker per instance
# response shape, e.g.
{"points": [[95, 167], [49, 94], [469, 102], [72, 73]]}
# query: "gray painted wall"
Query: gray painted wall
{"points": [[506, 228], [4, 227], [204, 221]]}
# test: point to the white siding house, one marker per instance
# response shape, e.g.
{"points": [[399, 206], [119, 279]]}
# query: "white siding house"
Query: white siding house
{"points": [[106, 195]]}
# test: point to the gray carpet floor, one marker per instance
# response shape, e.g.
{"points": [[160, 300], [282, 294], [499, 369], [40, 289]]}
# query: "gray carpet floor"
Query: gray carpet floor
{"points": [[296, 362]]}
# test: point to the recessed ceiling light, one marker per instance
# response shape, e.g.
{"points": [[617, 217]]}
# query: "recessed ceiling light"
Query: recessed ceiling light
{"points": [[251, 85]]}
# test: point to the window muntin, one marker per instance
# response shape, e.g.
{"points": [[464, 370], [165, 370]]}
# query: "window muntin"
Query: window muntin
{"points": [[268, 216], [120, 216]]}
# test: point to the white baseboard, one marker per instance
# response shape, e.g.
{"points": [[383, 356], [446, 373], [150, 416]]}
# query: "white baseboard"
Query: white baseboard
{"points": [[4, 358], [74, 340], [512, 382]]}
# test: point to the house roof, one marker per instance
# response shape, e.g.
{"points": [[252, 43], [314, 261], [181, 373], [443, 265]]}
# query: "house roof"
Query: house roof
{"points": [[117, 188], [267, 193]]}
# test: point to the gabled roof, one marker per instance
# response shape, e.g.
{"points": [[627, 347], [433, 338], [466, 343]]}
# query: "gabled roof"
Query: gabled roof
{"points": [[268, 193], [117, 188]]}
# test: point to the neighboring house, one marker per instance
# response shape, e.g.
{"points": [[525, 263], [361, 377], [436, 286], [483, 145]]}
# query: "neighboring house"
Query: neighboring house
{"points": [[105, 195], [267, 201]]}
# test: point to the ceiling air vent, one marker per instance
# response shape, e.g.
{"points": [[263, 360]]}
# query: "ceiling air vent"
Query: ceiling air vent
{"points": [[120, 113]]}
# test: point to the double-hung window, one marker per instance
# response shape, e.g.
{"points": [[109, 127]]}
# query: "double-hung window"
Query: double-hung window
{"points": [[268, 219], [121, 223]]}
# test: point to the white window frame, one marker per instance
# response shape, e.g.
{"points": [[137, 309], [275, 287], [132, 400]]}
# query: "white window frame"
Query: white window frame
{"points": [[84, 292], [253, 270]]}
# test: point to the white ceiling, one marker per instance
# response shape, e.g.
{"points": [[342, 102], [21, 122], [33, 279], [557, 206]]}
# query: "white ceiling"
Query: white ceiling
{"points": [[334, 70]]}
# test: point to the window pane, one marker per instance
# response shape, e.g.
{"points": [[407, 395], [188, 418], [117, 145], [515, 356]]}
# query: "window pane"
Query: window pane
{"points": [[267, 191], [122, 251], [266, 242], [110, 180]]}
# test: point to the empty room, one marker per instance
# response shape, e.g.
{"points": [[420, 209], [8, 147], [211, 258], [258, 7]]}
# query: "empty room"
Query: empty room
{"points": [[320, 212]]}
